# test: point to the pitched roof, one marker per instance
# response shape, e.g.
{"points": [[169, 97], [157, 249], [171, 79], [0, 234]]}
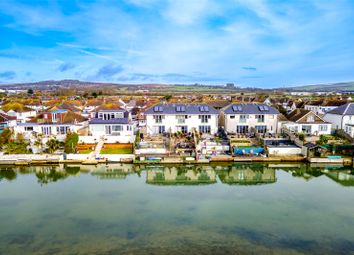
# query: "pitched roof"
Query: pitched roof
{"points": [[17, 107], [181, 109], [298, 116], [249, 109], [347, 109], [5, 118], [65, 106], [108, 106], [67, 118]]}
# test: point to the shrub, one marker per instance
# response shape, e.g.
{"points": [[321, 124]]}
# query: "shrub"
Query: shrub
{"points": [[70, 142]]}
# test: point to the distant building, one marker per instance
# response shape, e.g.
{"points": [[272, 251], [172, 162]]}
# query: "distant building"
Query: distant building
{"points": [[322, 106], [171, 118]]}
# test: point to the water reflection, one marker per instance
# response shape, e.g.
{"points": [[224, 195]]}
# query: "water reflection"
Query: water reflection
{"points": [[186, 175], [230, 174], [248, 175]]}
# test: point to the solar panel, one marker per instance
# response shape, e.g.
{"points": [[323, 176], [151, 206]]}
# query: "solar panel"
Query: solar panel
{"points": [[183, 108], [206, 108], [261, 108], [266, 108], [178, 108], [201, 108], [156, 108], [160, 109], [239, 108]]}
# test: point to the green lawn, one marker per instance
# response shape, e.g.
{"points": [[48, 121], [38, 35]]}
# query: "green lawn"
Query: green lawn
{"points": [[116, 151], [84, 151]]}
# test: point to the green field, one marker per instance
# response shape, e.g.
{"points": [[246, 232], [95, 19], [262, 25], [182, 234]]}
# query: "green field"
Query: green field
{"points": [[116, 151]]}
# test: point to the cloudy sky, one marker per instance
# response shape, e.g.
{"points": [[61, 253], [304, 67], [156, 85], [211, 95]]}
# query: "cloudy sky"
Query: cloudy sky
{"points": [[251, 42]]}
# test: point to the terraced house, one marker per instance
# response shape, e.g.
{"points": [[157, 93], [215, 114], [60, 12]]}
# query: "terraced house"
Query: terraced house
{"points": [[248, 118], [172, 118]]}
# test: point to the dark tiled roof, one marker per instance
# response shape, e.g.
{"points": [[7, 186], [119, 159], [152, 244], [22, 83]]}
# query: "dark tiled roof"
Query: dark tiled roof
{"points": [[298, 114], [250, 109], [181, 109], [347, 109]]}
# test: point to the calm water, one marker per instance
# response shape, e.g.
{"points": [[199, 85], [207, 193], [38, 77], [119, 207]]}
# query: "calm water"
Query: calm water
{"points": [[216, 209]]}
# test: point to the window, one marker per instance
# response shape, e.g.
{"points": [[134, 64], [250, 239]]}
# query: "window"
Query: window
{"points": [[323, 128], [161, 129], [28, 128], [181, 119], [306, 129], [119, 115], [204, 129], [62, 130], [260, 118], [243, 118], [204, 118], [232, 116], [47, 130], [183, 129], [117, 128], [261, 129], [129, 128], [241, 129], [311, 118], [158, 118], [158, 129], [100, 115]]}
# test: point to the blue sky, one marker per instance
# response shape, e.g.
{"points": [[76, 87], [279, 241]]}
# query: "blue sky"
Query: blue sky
{"points": [[251, 43]]}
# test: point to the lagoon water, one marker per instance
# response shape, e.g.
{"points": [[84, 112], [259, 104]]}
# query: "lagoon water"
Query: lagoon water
{"points": [[159, 209]]}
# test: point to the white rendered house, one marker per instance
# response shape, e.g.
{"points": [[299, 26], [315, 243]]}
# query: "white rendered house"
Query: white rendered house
{"points": [[342, 118], [307, 122], [172, 118], [243, 118], [111, 123]]}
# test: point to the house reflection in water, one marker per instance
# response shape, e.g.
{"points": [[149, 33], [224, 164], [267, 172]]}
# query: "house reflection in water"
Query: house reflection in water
{"points": [[180, 175], [245, 174], [343, 176], [113, 171]]}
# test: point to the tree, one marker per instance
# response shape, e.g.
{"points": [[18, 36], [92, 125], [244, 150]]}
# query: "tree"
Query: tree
{"points": [[5, 137], [16, 148], [70, 142], [323, 139], [53, 145], [38, 142], [94, 94], [167, 97], [30, 92]]}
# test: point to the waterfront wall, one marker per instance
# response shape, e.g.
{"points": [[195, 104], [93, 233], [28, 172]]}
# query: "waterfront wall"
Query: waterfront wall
{"points": [[108, 139]]}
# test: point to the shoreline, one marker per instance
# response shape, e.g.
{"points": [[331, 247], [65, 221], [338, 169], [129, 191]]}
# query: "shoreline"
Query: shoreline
{"points": [[283, 159]]}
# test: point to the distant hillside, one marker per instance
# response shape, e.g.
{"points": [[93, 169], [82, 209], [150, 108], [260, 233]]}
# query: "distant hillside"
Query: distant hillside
{"points": [[337, 87]]}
